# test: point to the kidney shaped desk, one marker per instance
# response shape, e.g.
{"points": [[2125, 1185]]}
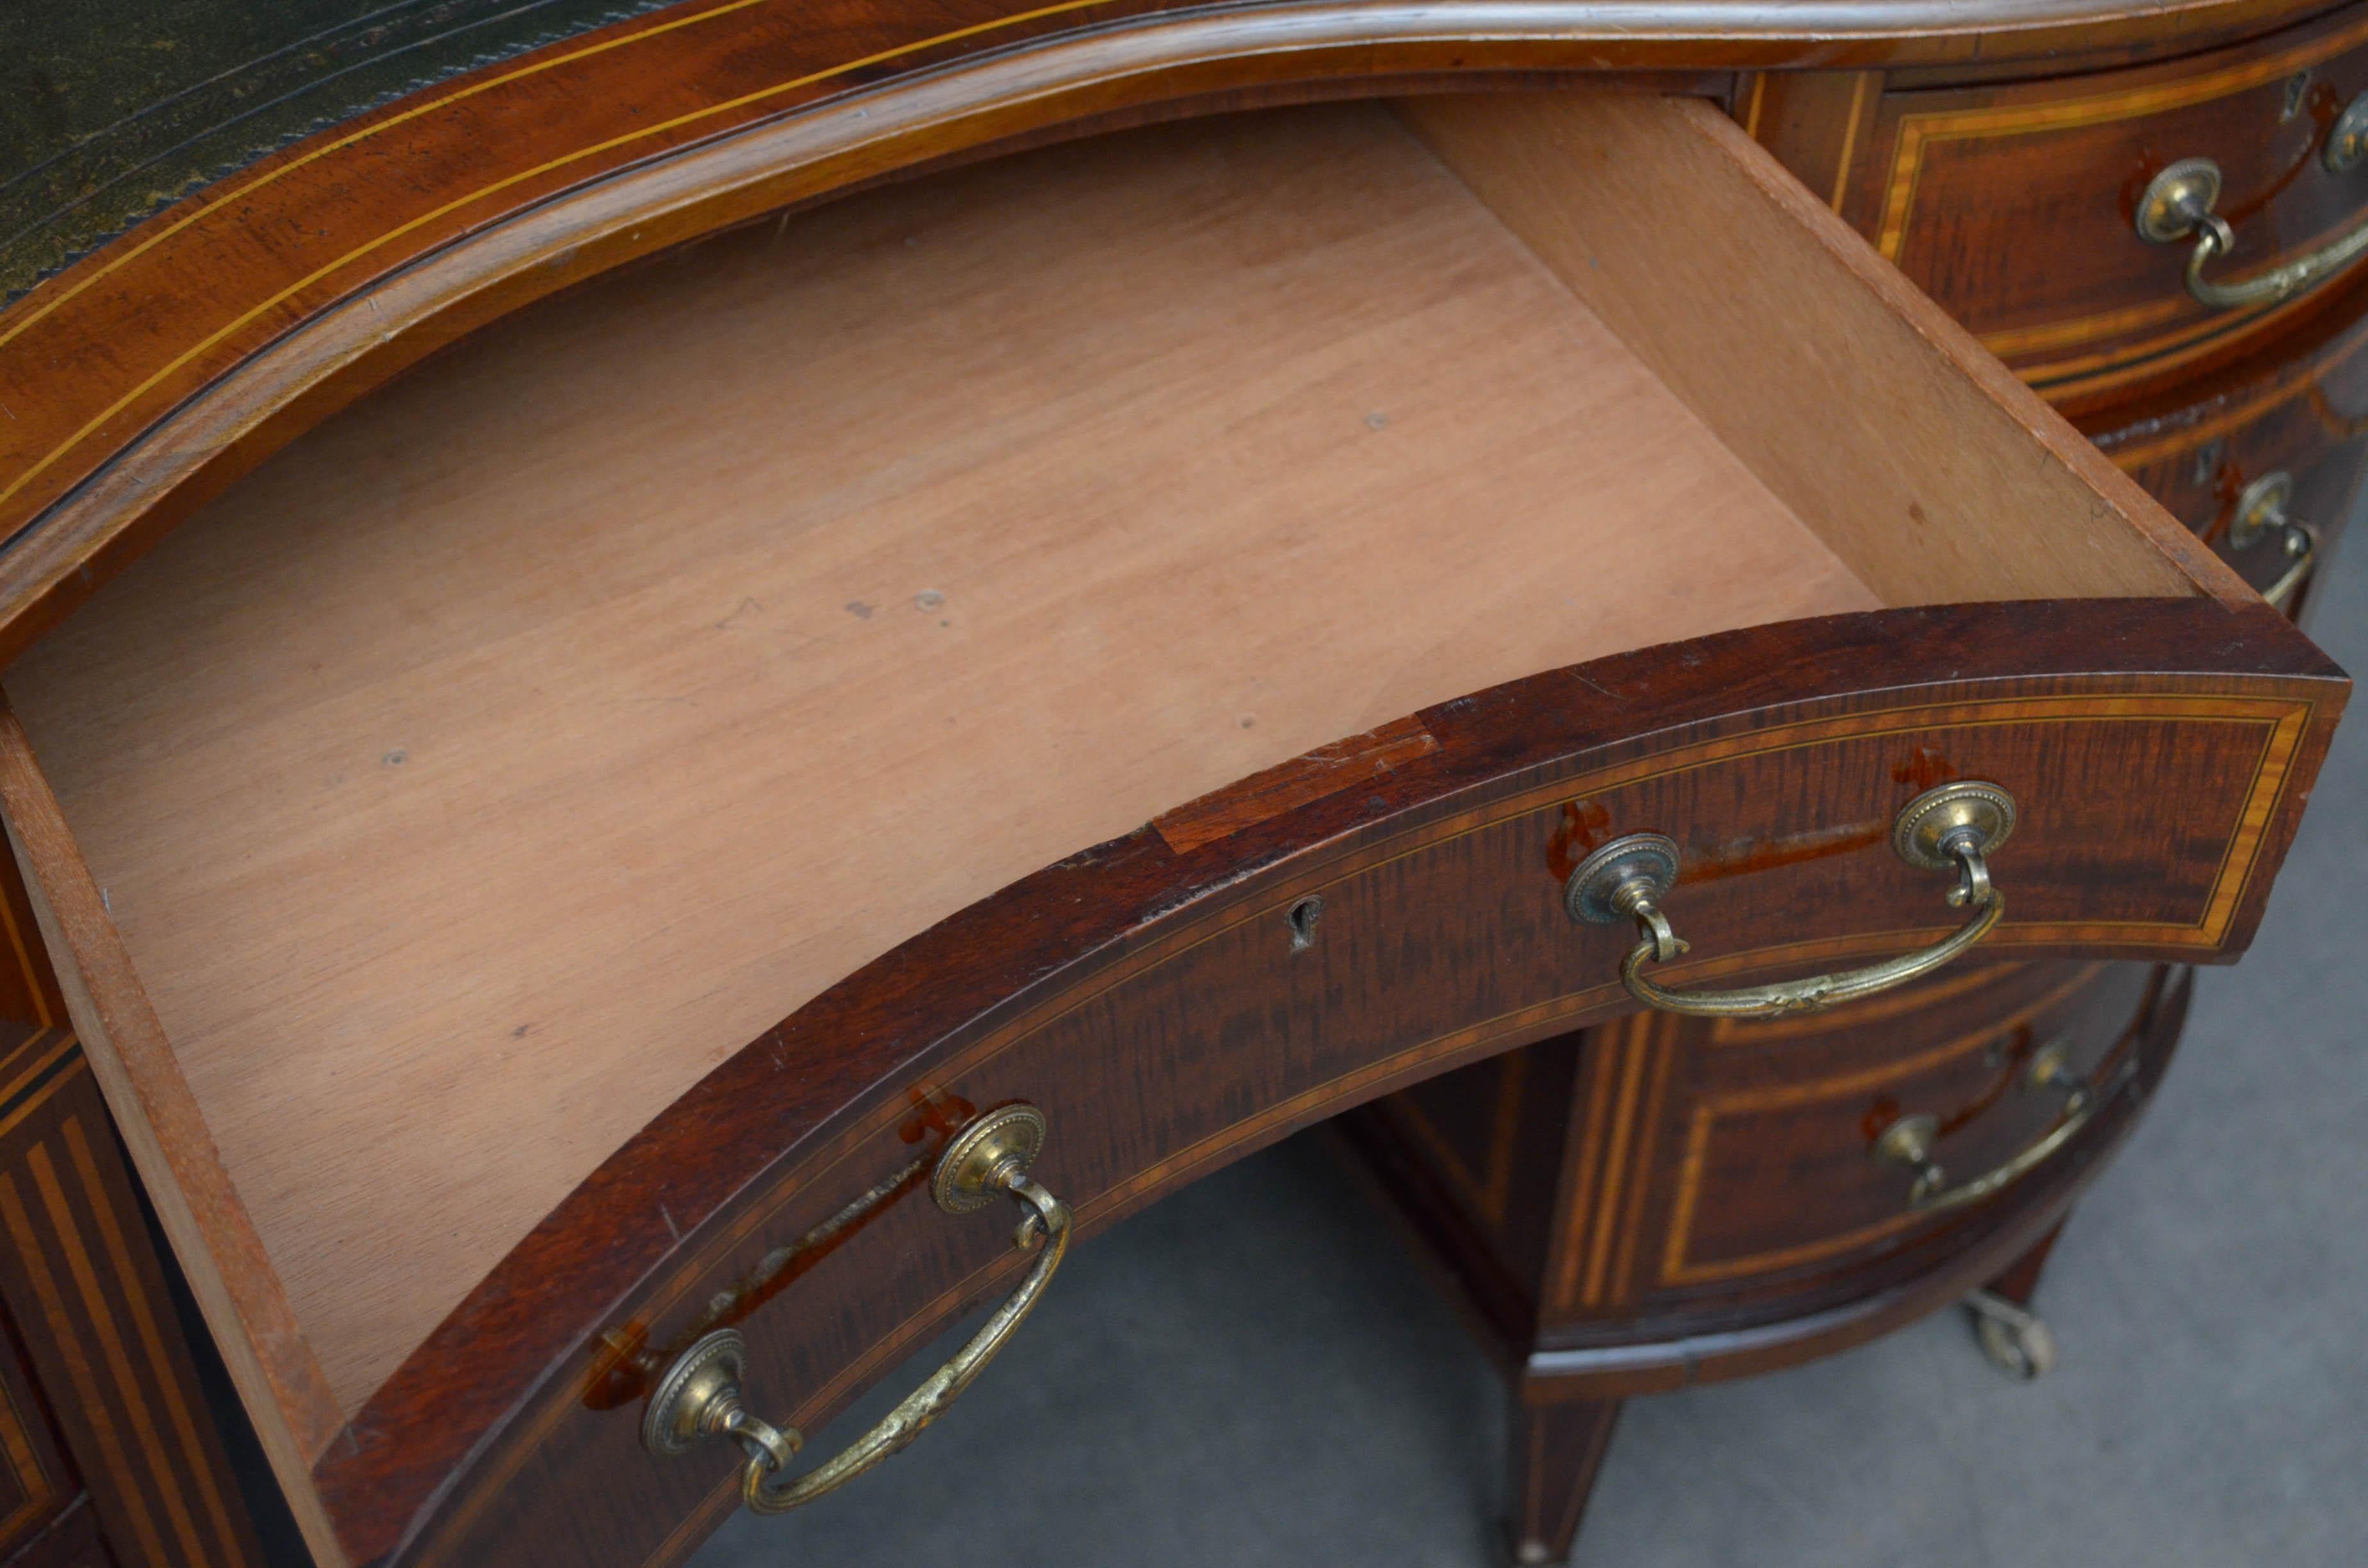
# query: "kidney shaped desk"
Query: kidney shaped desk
{"points": [[685, 692]]}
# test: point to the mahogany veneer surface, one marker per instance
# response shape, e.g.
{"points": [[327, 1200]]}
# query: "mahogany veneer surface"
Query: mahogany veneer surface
{"points": [[503, 755]]}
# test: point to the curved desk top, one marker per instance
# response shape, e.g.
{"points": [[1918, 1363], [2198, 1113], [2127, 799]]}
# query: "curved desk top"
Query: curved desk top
{"points": [[139, 381], [220, 220]]}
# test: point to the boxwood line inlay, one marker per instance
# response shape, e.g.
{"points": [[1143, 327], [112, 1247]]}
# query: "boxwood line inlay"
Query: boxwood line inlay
{"points": [[244, 192], [604, 106], [2284, 724], [158, 369], [1919, 132], [1677, 1267]]}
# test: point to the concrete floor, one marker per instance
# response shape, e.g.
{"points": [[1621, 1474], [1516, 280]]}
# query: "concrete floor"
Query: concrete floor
{"points": [[1257, 1373]]}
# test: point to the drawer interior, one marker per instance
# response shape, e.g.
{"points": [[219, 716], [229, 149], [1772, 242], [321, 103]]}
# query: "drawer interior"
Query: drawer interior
{"points": [[506, 752]]}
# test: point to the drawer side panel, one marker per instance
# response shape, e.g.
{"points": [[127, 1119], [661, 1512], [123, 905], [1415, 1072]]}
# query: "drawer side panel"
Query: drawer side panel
{"points": [[233, 1280]]}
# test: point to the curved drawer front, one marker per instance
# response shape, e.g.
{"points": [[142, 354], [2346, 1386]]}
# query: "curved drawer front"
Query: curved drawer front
{"points": [[2303, 416], [415, 841], [1240, 1012], [1781, 1162], [1754, 1206], [2015, 206], [1710, 1196]]}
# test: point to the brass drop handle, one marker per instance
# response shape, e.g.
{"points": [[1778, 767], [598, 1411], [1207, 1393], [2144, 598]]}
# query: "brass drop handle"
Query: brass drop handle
{"points": [[700, 1395], [1909, 1141], [2261, 511], [2177, 202], [1952, 827]]}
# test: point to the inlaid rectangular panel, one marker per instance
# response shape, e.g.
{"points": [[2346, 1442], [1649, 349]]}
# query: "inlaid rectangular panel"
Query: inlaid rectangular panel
{"points": [[776, 993], [85, 1290], [35, 1485], [2013, 205], [70, 1541], [1777, 1167], [2295, 418]]}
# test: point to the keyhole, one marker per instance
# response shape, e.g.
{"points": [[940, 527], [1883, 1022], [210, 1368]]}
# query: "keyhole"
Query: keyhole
{"points": [[2207, 460], [1303, 918]]}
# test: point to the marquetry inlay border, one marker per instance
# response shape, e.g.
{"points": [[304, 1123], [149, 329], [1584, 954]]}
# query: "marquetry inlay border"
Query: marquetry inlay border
{"points": [[1615, 1127], [1919, 130], [74, 1253], [242, 192], [2303, 382], [2283, 721], [1677, 1267], [16, 1452]]}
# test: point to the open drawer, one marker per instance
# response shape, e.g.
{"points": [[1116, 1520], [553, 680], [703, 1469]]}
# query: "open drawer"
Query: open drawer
{"points": [[548, 865]]}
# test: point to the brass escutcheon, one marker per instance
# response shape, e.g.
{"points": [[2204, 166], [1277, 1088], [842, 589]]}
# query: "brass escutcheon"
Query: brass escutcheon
{"points": [[701, 1375], [1605, 888], [987, 1154], [1940, 828], [2177, 200]]}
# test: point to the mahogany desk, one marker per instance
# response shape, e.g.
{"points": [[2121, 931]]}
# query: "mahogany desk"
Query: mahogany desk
{"points": [[649, 660]]}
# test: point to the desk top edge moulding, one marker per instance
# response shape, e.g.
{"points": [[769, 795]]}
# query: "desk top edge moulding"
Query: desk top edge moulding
{"points": [[212, 263], [290, 282]]}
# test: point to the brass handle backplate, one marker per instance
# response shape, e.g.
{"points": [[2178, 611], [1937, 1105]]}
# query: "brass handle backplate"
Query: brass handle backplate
{"points": [[1909, 1141], [700, 1395], [2261, 512], [1952, 827], [2179, 202]]}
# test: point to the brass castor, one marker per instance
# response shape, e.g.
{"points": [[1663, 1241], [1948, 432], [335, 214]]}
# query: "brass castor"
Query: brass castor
{"points": [[2012, 1337]]}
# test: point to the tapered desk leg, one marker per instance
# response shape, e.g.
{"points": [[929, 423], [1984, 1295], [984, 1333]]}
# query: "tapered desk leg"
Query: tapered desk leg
{"points": [[1556, 1450], [2021, 1280]]}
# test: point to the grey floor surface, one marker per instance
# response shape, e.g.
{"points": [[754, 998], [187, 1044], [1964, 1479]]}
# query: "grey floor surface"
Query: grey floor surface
{"points": [[1257, 1373]]}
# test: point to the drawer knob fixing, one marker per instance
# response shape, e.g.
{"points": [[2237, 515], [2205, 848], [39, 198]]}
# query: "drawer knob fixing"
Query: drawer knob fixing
{"points": [[1909, 1141], [2260, 512], [2179, 202], [700, 1395], [1953, 827]]}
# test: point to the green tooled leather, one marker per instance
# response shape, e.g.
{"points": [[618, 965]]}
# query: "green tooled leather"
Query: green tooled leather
{"points": [[110, 109]]}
